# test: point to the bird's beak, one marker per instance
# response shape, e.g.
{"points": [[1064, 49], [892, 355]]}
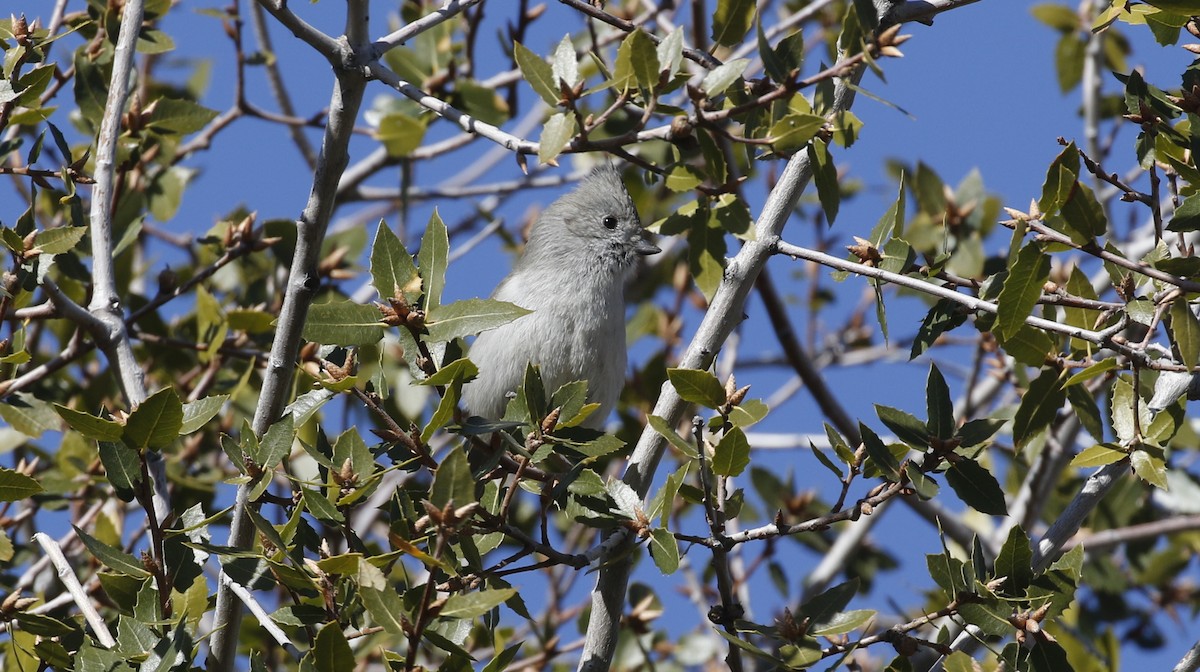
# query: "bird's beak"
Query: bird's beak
{"points": [[646, 248]]}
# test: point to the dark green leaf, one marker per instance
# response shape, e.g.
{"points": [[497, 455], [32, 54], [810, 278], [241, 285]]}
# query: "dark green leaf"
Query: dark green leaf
{"points": [[908, 428], [1187, 215], [1038, 406], [879, 453], [1022, 289], [976, 487], [156, 422], [944, 316], [829, 191], [1015, 561], [112, 558], [321, 508], [939, 405], [123, 467], [824, 607]]}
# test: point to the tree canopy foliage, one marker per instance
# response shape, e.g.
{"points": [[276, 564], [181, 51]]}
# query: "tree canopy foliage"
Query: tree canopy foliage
{"points": [[257, 448]]}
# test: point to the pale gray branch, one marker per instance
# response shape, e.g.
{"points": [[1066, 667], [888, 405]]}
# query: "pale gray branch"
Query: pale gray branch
{"points": [[67, 576]]}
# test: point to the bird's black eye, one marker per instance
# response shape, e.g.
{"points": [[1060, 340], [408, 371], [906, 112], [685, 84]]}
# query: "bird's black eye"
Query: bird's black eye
{"points": [[610, 222]]}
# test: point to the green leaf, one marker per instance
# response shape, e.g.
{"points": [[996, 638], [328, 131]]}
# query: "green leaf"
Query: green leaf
{"points": [[1022, 289], [731, 454], [57, 241], [720, 77], [156, 422], [470, 605], [470, 316], [824, 607], [1038, 406], [706, 256], [1015, 561], [791, 133], [1187, 215], [670, 52], [538, 73], [1098, 456], [659, 425], [1102, 366], [643, 55], [197, 413], [453, 482], [939, 405], [179, 116], [90, 426], [331, 652], [1125, 403], [731, 21], [15, 486], [697, 387], [433, 259], [1083, 213], [1058, 17], [1186, 331], [320, 507], [123, 467], [502, 659], [976, 487], [1149, 468], [343, 323], [879, 453], [28, 415], [392, 268], [829, 191], [975, 432], [460, 370], [564, 66], [556, 133], [907, 427], [382, 603], [401, 134], [944, 316], [665, 550], [276, 443], [1060, 178], [842, 623], [112, 558]]}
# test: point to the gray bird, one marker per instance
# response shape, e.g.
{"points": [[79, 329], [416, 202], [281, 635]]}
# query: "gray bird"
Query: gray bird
{"points": [[572, 276]]}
